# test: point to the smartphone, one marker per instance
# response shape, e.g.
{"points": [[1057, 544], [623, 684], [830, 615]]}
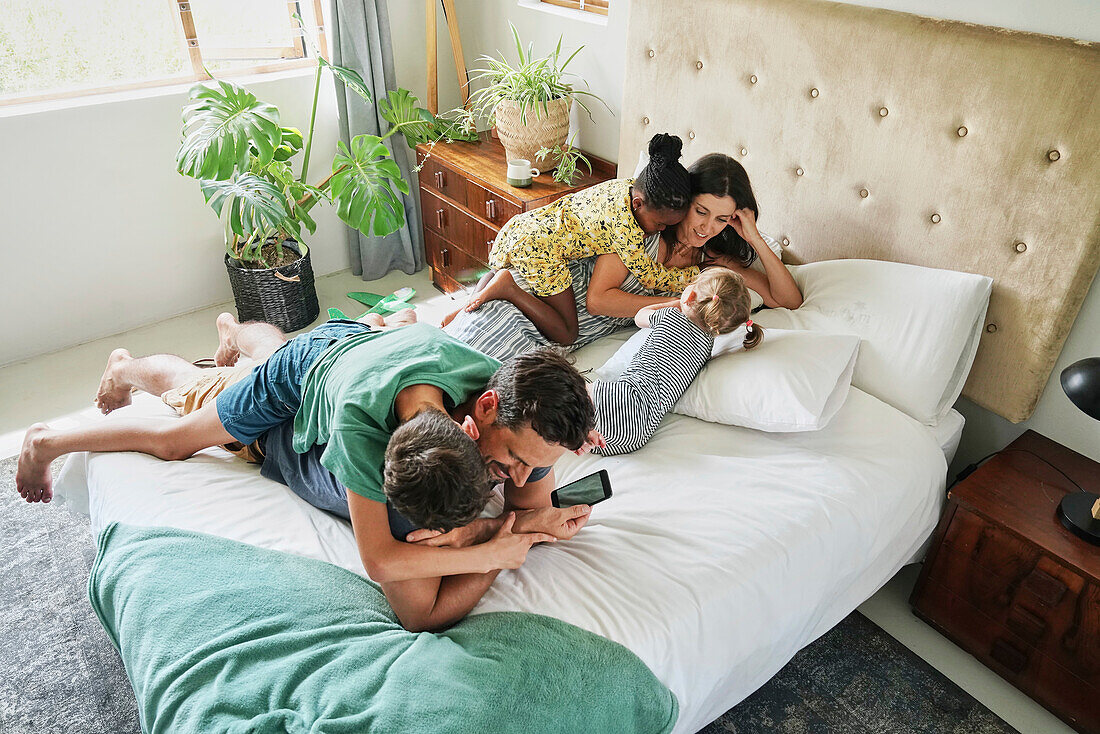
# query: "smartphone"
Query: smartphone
{"points": [[585, 491]]}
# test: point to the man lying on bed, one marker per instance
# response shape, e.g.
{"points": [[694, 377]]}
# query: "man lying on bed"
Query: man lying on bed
{"points": [[406, 417]]}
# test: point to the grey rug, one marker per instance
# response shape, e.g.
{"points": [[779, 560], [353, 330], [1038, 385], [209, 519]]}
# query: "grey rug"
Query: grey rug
{"points": [[60, 673]]}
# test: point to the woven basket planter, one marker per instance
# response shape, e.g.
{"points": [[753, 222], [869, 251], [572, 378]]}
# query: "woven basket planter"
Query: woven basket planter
{"points": [[285, 296], [544, 129]]}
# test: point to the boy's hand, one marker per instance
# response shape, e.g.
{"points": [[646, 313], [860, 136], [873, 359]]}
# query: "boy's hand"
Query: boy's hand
{"points": [[561, 522], [508, 549]]}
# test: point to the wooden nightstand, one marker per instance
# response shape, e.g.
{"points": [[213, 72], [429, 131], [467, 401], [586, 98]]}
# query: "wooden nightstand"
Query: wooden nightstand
{"points": [[1006, 582], [465, 199]]}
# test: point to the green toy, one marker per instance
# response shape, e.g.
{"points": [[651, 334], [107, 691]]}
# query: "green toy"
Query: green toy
{"points": [[392, 303]]}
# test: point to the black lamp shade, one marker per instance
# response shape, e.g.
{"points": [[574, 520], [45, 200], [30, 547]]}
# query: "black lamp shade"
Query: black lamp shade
{"points": [[1081, 383]]}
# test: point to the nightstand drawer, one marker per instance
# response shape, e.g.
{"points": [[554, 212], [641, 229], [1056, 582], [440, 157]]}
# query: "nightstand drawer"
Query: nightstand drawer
{"points": [[1038, 674], [444, 219], [490, 206], [442, 180]]}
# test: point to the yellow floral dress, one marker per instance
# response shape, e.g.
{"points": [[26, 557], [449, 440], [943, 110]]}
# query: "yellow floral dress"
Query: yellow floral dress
{"points": [[595, 221]]}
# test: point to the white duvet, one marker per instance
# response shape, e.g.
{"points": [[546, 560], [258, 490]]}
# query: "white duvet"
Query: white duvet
{"points": [[723, 551]]}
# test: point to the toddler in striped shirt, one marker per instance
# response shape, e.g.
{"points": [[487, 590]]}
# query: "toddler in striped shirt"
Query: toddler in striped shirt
{"points": [[681, 337]]}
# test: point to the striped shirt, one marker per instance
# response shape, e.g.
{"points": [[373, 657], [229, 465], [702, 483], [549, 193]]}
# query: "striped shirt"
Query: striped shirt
{"points": [[628, 410]]}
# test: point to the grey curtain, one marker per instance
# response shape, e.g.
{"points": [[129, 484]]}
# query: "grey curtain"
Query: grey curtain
{"points": [[360, 34]]}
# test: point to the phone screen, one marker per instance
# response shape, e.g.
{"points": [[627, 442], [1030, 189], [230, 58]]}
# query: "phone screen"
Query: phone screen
{"points": [[586, 491]]}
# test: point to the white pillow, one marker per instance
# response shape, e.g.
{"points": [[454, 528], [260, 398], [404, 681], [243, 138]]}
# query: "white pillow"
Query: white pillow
{"points": [[792, 381], [920, 326]]}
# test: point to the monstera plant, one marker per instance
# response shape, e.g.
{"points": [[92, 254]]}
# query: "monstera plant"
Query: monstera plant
{"points": [[243, 156]]}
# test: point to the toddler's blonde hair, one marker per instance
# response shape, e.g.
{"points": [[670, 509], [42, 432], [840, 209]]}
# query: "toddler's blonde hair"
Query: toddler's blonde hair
{"points": [[722, 303]]}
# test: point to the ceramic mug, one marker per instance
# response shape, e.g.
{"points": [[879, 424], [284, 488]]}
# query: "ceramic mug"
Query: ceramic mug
{"points": [[520, 173]]}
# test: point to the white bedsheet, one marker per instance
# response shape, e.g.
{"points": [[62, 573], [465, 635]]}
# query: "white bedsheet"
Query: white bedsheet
{"points": [[723, 551]]}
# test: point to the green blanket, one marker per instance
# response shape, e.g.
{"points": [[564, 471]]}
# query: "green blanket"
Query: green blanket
{"points": [[219, 636]]}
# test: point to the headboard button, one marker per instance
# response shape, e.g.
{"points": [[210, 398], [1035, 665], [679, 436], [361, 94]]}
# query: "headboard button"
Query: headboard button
{"points": [[692, 135], [753, 79], [698, 64], [962, 131], [652, 53], [798, 171], [814, 92], [883, 112], [1054, 155], [991, 328], [935, 219], [1021, 247], [744, 151], [645, 120], [786, 242], [864, 193]]}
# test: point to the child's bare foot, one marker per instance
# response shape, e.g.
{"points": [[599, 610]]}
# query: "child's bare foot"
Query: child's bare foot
{"points": [[498, 289], [404, 317], [373, 320], [114, 392], [32, 476], [450, 317], [228, 353]]}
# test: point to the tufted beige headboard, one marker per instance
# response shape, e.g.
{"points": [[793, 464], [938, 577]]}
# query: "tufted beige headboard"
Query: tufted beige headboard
{"points": [[875, 134]]}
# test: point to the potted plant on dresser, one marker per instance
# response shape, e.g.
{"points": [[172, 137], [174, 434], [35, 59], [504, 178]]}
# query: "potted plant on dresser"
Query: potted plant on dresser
{"points": [[528, 102], [243, 158]]}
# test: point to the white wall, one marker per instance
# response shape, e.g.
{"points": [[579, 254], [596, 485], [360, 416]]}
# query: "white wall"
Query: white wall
{"points": [[484, 26]]}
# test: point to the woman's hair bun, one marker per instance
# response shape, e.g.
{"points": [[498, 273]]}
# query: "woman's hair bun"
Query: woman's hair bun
{"points": [[665, 148]]}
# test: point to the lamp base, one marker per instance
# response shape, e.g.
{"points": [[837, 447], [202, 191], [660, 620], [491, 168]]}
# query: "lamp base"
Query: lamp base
{"points": [[1075, 512]]}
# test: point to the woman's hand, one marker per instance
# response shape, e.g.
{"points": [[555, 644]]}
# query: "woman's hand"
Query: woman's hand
{"points": [[743, 222]]}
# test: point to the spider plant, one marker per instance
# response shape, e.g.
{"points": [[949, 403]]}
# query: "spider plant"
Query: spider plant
{"points": [[568, 157], [236, 147], [532, 82]]}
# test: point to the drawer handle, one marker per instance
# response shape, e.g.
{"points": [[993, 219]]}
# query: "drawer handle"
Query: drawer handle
{"points": [[446, 257], [440, 180], [439, 218], [491, 209], [1007, 655], [1045, 587]]}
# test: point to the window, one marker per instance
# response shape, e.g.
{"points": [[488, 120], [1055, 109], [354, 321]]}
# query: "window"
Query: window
{"points": [[591, 6], [65, 48]]}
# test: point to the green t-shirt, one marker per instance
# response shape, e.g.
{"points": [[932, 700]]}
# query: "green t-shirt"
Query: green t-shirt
{"points": [[348, 394]]}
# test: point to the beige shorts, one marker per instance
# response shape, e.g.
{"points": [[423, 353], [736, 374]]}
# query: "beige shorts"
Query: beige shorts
{"points": [[201, 390]]}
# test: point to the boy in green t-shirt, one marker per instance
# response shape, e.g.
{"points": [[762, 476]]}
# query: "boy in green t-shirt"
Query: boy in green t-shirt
{"points": [[408, 415]]}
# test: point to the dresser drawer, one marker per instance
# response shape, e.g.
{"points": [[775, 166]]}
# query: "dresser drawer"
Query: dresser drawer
{"points": [[442, 180], [480, 240], [444, 219], [490, 206], [453, 268]]}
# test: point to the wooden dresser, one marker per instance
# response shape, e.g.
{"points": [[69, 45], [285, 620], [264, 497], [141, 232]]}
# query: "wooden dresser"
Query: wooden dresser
{"points": [[1006, 582], [465, 199]]}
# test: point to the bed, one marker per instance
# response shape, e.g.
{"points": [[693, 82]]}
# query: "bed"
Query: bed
{"points": [[725, 549]]}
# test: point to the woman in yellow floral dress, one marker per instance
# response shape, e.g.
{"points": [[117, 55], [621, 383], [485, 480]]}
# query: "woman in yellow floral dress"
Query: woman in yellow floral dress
{"points": [[612, 217]]}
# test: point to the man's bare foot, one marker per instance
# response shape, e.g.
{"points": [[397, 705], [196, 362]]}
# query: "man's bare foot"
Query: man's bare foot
{"points": [[498, 289], [404, 317], [32, 476], [114, 392], [228, 353]]}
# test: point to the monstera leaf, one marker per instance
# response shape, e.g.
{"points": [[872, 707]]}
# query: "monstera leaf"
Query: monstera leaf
{"points": [[253, 207], [363, 183], [401, 109], [221, 128], [349, 77]]}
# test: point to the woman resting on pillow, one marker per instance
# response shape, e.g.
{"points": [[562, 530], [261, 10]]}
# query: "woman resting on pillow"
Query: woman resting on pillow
{"points": [[720, 228], [611, 217], [681, 337]]}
